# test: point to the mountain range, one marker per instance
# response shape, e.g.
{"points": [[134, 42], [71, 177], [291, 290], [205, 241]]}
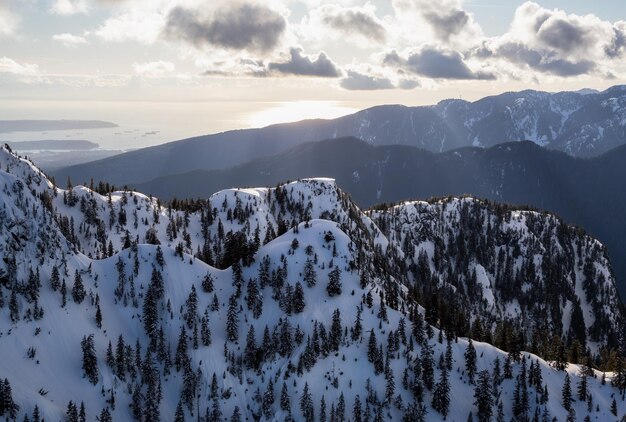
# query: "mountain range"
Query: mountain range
{"points": [[582, 124], [289, 303], [585, 192]]}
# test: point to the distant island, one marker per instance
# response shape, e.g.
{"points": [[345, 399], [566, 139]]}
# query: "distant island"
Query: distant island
{"points": [[43, 125], [72, 145]]}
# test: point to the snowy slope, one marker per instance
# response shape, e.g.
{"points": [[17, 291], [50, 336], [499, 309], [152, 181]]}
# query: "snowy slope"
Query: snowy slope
{"points": [[40, 344]]}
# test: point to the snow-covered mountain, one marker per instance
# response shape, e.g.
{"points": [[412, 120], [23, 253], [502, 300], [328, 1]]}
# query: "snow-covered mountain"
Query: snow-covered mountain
{"points": [[580, 124], [308, 309]]}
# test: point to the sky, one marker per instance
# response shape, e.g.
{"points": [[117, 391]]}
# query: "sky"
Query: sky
{"points": [[190, 67]]}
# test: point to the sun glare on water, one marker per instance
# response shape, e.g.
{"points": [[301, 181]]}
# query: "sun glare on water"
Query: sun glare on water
{"points": [[298, 110]]}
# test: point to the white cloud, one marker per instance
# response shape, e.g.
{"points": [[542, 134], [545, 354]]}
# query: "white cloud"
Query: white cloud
{"points": [[69, 40], [8, 65], [154, 69], [69, 7], [8, 21]]}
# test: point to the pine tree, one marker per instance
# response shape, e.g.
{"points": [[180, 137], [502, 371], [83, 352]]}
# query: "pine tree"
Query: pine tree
{"points": [[90, 362], [483, 397], [8, 407], [470, 361], [310, 276], [298, 299], [98, 316], [334, 338], [357, 415], [232, 320], [179, 416], [192, 307], [567, 393], [306, 404], [55, 282], [441, 394], [82, 414], [71, 414], [207, 283], [614, 407], [205, 331], [582, 388], [181, 356], [268, 400], [340, 412], [236, 416], [250, 351], [334, 282], [105, 415], [285, 401], [78, 290], [357, 330]]}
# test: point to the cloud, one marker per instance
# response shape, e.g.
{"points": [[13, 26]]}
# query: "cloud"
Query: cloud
{"points": [[301, 65], [353, 20], [8, 21], [69, 40], [556, 43], [447, 20], [69, 7], [154, 69], [436, 63], [237, 27], [356, 81], [543, 61], [134, 23], [8, 65]]}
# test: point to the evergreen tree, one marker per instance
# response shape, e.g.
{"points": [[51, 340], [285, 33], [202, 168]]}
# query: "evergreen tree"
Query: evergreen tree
{"points": [[334, 338], [357, 330], [78, 290], [179, 416], [441, 394], [232, 320], [236, 416], [105, 415], [298, 299], [356, 410], [567, 393], [250, 351], [207, 283], [340, 412], [285, 400], [268, 400], [8, 407], [582, 388], [90, 362], [306, 404], [470, 361], [310, 276], [71, 414], [334, 282], [483, 397]]}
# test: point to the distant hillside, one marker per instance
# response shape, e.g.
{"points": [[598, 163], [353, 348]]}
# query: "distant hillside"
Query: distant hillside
{"points": [[586, 192], [580, 124], [40, 125]]}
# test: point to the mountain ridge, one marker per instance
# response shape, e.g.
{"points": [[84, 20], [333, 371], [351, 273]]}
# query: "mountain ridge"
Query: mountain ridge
{"points": [[581, 125]]}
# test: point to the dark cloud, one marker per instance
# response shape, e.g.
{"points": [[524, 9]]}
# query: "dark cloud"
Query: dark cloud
{"points": [[238, 27], [543, 61], [436, 64], [301, 65], [564, 36], [356, 81], [617, 45], [446, 23], [408, 84], [352, 21]]}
